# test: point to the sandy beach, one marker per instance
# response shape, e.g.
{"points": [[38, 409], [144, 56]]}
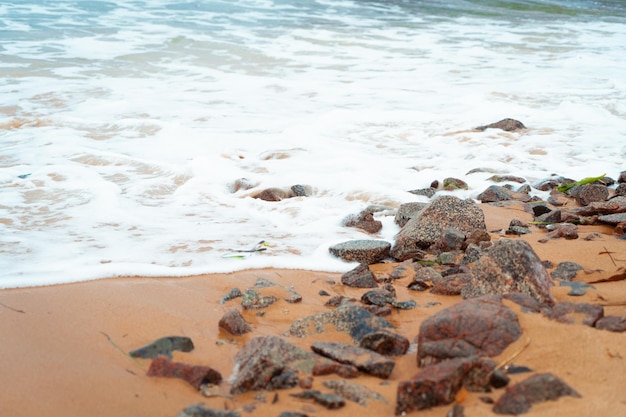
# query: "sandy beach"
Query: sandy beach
{"points": [[64, 348]]}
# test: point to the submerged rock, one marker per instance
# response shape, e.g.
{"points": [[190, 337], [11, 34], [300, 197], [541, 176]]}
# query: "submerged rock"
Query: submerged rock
{"points": [[571, 313], [508, 125]]}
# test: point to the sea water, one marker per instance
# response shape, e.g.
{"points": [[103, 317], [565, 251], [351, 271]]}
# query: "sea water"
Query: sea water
{"points": [[124, 125]]}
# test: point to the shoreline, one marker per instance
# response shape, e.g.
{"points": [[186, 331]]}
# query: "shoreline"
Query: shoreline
{"points": [[64, 350]]}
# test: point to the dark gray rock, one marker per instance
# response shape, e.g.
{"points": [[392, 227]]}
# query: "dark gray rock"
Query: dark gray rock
{"points": [[481, 326], [200, 410], [508, 125], [553, 216], [234, 323], [571, 313], [510, 266], [519, 398], [426, 192], [612, 323], [349, 318], [446, 212], [359, 277], [379, 297], [364, 360], [362, 251], [566, 270], [407, 211], [163, 347], [620, 190], [613, 219]]}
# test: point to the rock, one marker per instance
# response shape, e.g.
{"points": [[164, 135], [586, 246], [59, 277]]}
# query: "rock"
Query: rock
{"points": [[478, 237], [426, 192], [451, 240], [508, 125], [620, 190], [292, 414], [506, 178], [553, 216], [528, 303], [482, 326], [359, 277], [362, 251], [299, 190], [612, 323], [331, 367], [446, 212], [622, 177], [234, 323], [163, 347], [379, 297], [495, 193], [472, 254], [457, 411], [364, 221], [590, 193], [571, 313], [613, 219], [200, 410], [357, 393], [232, 294], [272, 194], [577, 288], [385, 342], [519, 398], [409, 210], [510, 266], [363, 359], [612, 206], [499, 379], [253, 299], [269, 362], [567, 230], [349, 318], [404, 270], [438, 384], [329, 401], [451, 184], [548, 184], [195, 375], [566, 271], [451, 284]]}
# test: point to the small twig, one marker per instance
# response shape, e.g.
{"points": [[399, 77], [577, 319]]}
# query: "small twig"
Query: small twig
{"points": [[12, 309], [606, 252], [121, 350], [515, 354]]}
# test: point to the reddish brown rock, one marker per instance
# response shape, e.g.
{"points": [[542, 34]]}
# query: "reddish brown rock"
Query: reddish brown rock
{"points": [[195, 375], [590, 193], [234, 323], [451, 284], [482, 326], [363, 359], [438, 384], [519, 398], [327, 367], [364, 221]]}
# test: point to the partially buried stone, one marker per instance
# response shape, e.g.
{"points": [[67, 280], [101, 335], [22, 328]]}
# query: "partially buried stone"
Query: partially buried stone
{"points": [[508, 125], [612, 324], [200, 410], [195, 375], [510, 266], [359, 277], [362, 251], [253, 299], [363, 359], [360, 394], [577, 288], [573, 313], [349, 318], [163, 347], [519, 398], [566, 270], [482, 326], [330, 401], [233, 293]]}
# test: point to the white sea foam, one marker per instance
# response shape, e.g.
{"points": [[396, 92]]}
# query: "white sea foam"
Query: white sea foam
{"points": [[125, 124]]}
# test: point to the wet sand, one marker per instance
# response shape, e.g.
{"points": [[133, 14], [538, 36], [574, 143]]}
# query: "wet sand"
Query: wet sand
{"points": [[63, 347]]}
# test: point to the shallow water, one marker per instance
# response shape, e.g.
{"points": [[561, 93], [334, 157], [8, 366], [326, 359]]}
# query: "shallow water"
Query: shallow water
{"points": [[124, 125]]}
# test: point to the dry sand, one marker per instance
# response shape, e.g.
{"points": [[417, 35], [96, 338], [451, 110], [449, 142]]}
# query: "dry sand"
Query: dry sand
{"points": [[62, 347]]}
